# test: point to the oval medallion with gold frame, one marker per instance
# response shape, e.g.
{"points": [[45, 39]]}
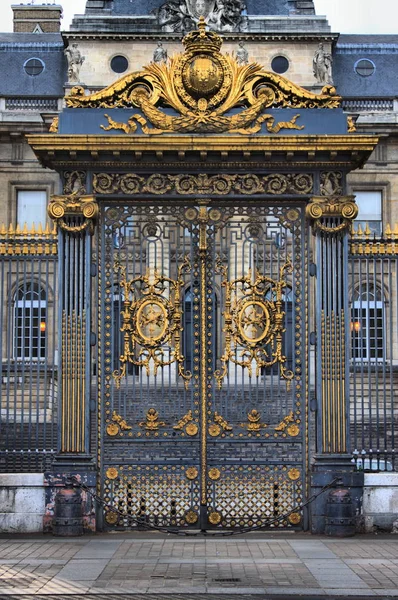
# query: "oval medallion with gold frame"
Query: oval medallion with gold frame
{"points": [[253, 322], [151, 321]]}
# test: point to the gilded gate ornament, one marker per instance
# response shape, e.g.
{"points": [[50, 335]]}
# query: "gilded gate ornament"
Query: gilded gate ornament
{"points": [[152, 322], [152, 422], [117, 425], [253, 319], [332, 214], [202, 86], [254, 421]]}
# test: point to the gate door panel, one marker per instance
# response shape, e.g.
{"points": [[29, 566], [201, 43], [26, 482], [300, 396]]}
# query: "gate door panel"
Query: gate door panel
{"points": [[202, 363]]}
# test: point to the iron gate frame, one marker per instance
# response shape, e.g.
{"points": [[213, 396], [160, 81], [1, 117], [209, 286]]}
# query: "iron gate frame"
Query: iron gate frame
{"points": [[298, 472]]}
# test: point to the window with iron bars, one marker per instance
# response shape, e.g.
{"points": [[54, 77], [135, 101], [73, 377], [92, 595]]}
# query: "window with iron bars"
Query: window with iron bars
{"points": [[367, 317], [30, 312]]}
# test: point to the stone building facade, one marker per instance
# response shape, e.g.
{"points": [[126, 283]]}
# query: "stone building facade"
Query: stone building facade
{"points": [[111, 40]]}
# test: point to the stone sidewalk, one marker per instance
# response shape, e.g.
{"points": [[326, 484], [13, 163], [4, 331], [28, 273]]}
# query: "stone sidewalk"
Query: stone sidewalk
{"points": [[155, 564]]}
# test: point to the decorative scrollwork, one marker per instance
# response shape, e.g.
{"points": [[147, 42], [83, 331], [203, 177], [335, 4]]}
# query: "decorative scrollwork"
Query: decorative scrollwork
{"points": [[186, 422], [152, 322], [202, 85], [219, 425], [285, 422], [221, 184], [253, 319]]}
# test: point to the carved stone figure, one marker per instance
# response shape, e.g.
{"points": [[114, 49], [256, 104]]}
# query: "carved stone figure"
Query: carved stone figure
{"points": [[221, 15], [322, 65], [160, 54], [242, 55], [75, 61]]}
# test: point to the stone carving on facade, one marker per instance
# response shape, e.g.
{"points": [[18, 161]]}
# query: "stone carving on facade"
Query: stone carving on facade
{"points": [[75, 61], [160, 54], [183, 16], [242, 55], [322, 66], [331, 183]]}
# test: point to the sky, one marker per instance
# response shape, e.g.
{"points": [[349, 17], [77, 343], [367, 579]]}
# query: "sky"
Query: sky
{"points": [[345, 16]]}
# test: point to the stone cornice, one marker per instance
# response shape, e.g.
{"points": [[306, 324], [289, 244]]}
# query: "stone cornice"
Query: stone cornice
{"points": [[231, 37], [348, 152]]}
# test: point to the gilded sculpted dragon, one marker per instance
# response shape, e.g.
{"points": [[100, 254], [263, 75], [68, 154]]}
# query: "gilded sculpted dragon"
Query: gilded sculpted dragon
{"points": [[203, 91]]}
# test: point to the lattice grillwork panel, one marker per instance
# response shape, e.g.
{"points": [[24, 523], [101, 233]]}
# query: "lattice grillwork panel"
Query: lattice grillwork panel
{"points": [[159, 495], [246, 496]]}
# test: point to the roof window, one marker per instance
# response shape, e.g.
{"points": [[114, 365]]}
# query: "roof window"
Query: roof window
{"points": [[34, 66], [364, 67]]}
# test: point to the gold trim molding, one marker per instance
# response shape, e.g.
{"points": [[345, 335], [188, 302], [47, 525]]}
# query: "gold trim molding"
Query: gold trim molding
{"points": [[322, 210]]}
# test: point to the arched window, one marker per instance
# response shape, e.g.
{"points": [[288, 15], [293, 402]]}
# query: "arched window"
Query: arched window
{"points": [[30, 314], [367, 316]]}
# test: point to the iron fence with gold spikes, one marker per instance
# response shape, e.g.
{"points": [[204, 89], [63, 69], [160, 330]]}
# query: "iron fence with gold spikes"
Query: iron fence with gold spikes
{"points": [[33, 240], [373, 353], [28, 348]]}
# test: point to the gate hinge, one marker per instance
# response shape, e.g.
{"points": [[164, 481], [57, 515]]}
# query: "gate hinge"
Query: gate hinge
{"points": [[93, 339], [313, 405], [313, 338], [93, 270], [312, 269]]}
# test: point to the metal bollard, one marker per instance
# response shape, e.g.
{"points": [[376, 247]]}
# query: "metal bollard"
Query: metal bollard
{"points": [[340, 513], [68, 512]]}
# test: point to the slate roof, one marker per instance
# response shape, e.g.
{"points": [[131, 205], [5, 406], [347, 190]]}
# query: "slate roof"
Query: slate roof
{"points": [[16, 49], [382, 50]]}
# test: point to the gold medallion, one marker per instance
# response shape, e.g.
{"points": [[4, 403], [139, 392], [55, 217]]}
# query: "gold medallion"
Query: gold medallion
{"points": [[191, 473], [214, 430], [253, 321], [294, 518], [111, 518], [151, 321], [293, 474], [191, 517], [292, 215], [202, 76], [112, 473], [191, 429], [214, 474], [112, 429], [293, 430], [215, 518]]}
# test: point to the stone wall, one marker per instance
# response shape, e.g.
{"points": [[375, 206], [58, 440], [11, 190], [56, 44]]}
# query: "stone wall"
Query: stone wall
{"points": [[22, 503], [380, 501], [96, 70]]}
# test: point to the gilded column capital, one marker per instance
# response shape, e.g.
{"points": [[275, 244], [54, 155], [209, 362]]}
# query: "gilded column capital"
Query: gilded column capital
{"points": [[73, 213], [331, 214]]}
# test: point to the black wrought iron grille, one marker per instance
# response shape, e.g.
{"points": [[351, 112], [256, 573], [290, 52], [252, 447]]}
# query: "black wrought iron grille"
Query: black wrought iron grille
{"points": [[373, 289], [28, 351], [202, 363]]}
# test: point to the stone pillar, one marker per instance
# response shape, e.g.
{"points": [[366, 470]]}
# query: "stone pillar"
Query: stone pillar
{"points": [[331, 219], [74, 215]]}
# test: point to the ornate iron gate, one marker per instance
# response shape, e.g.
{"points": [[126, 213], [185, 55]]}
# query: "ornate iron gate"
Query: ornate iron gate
{"points": [[202, 362]]}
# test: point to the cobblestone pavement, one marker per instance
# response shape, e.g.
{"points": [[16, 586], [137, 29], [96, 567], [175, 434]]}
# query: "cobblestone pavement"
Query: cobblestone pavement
{"points": [[155, 566]]}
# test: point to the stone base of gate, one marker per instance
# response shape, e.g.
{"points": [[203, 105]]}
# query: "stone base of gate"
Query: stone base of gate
{"points": [[53, 482], [325, 469]]}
